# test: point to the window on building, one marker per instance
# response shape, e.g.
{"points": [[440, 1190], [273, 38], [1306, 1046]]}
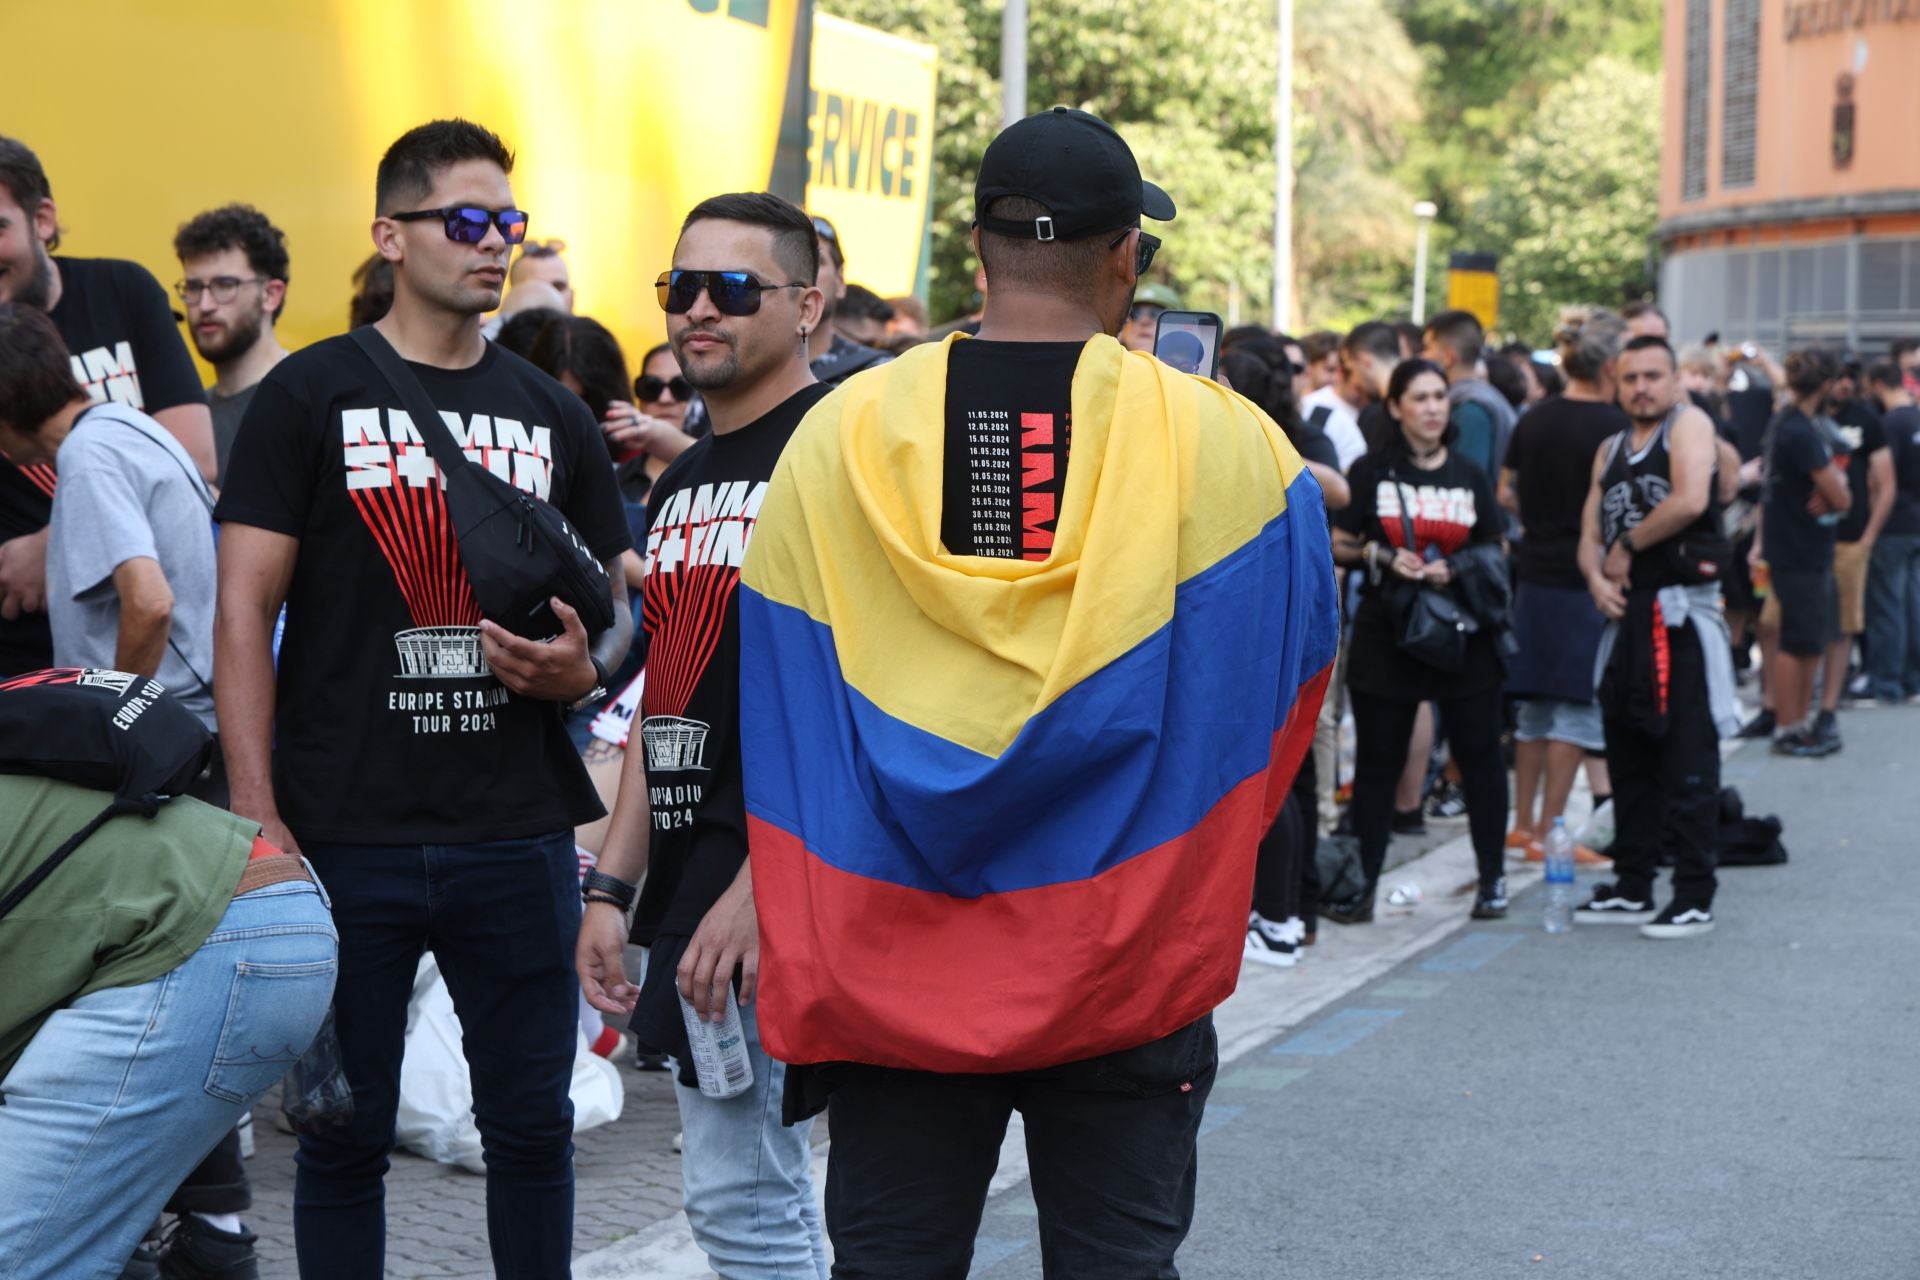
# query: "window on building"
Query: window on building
{"points": [[1699, 90], [1740, 100]]}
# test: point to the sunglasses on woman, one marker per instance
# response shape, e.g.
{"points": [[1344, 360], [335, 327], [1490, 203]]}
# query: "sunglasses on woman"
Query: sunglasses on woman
{"points": [[734, 293], [649, 388], [468, 223]]}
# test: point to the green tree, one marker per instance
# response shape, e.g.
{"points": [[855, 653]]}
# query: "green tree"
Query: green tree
{"points": [[1572, 202], [1195, 101]]}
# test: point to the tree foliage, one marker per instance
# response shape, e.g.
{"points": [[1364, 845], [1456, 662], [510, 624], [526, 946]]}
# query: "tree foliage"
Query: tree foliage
{"points": [[1449, 100], [1573, 198]]}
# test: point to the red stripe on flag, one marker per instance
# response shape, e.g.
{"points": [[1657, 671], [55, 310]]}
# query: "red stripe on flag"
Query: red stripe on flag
{"points": [[856, 969]]}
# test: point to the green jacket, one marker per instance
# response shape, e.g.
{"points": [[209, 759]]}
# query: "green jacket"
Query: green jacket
{"points": [[133, 902]]}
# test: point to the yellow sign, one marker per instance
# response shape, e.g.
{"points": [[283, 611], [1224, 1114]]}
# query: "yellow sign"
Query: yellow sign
{"points": [[870, 148], [1477, 292], [611, 106]]}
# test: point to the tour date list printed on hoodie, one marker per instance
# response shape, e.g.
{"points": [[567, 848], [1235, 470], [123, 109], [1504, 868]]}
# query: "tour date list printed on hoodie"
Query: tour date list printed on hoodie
{"points": [[1009, 427]]}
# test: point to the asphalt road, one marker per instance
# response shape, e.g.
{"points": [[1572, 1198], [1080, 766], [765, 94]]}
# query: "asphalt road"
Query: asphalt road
{"points": [[1509, 1103]]}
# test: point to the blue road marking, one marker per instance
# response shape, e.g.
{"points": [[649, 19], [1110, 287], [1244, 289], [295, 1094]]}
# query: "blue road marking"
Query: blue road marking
{"points": [[1216, 1115], [1471, 952], [1342, 1031]]}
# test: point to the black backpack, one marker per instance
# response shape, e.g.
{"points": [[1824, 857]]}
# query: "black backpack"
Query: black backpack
{"points": [[518, 551], [109, 730]]}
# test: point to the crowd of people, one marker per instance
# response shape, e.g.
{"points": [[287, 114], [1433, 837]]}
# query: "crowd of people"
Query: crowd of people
{"points": [[1547, 560]]}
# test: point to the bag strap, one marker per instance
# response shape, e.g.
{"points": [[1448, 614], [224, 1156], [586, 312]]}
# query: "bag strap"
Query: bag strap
{"points": [[413, 398], [146, 806], [1406, 517], [1319, 417]]}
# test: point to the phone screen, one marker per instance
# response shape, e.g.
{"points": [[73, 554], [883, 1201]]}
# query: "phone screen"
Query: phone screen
{"points": [[1189, 341]]}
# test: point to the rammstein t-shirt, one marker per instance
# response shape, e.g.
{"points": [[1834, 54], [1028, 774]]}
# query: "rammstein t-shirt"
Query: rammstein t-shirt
{"points": [[1009, 430], [390, 728]]}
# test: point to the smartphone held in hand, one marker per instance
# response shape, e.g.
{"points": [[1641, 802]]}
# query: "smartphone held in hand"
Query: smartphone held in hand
{"points": [[1189, 341]]}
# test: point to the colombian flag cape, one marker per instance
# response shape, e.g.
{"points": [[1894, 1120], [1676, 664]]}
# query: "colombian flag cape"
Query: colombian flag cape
{"points": [[1003, 814]]}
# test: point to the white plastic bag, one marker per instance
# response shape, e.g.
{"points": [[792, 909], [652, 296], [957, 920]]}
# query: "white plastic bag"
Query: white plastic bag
{"points": [[436, 1094], [1598, 831]]}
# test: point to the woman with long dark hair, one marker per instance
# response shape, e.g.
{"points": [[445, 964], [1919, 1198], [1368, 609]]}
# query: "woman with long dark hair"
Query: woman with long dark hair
{"points": [[1424, 519]]}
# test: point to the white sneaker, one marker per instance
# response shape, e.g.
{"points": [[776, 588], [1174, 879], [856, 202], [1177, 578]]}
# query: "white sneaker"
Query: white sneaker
{"points": [[1675, 922], [1273, 942]]}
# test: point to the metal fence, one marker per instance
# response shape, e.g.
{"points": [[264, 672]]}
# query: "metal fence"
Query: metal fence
{"points": [[1862, 292]]}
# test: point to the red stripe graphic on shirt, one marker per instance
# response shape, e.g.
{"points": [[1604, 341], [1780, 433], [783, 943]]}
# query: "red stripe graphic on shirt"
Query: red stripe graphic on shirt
{"points": [[41, 476], [694, 552], [414, 532]]}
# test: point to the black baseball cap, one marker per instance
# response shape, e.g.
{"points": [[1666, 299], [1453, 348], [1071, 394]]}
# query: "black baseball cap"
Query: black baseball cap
{"points": [[1075, 165]]}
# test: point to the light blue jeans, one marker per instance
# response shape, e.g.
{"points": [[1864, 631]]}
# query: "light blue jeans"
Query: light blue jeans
{"points": [[748, 1179], [120, 1094]]}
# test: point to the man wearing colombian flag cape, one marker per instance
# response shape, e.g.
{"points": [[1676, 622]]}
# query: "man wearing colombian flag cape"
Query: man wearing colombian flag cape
{"points": [[1033, 634]]}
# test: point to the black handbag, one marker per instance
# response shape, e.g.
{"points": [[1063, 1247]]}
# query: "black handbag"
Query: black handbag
{"points": [[1434, 629], [518, 550]]}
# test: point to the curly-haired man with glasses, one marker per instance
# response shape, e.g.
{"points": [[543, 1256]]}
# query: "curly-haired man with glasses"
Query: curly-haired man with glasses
{"points": [[234, 274]]}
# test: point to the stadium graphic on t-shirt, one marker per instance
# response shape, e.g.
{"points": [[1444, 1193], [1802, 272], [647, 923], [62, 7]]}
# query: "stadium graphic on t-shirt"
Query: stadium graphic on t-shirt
{"points": [[694, 553], [400, 494]]}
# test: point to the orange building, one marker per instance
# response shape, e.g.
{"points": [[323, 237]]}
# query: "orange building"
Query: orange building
{"points": [[1790, 172]]}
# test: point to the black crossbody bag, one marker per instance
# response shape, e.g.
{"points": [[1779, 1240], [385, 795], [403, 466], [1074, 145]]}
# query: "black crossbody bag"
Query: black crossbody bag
{"points": [[1434, 629], [518, 550]]}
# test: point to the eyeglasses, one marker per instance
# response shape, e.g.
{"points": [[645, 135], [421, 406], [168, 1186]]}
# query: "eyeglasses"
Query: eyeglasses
{"points": [[825, 229], [734, 293], [223, 288], [649, 388], [1143, 253], [468, 223]]}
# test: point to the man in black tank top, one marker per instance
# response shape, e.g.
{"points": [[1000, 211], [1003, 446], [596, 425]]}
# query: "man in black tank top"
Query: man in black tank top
{"points": [[1652, 550]]}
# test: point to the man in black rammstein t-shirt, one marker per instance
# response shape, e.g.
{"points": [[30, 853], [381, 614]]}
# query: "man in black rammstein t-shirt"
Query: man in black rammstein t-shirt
{"points": [[418, 753], [118, 327], [740, 302], [1893, 578]]}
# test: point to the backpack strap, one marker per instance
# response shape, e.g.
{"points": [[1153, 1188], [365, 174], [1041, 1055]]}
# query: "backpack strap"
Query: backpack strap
{"points": [[147, 806]]}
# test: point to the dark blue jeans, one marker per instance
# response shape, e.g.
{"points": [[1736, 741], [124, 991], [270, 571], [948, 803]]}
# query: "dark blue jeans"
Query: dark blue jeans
{"points": [[501, 919]]}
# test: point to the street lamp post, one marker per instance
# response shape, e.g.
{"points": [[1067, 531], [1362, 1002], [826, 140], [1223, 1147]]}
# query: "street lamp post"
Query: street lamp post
{"points": [[1424, 211], [1283, 170], [1013, 62]]}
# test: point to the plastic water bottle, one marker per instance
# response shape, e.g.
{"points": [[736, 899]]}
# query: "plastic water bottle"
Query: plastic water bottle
{"points": [[720, 1061], [1559, 912]]}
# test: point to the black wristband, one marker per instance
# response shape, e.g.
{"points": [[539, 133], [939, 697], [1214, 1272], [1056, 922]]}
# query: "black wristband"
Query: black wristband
{"points": [[619, 891], [601, 897]]}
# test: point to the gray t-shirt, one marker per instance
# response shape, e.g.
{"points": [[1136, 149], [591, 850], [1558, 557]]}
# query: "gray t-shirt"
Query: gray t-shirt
{"points": [[127, 489], [227, 412]]}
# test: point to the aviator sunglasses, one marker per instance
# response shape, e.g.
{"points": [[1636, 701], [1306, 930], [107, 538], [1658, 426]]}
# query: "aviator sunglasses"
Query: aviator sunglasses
{"points": [[650, 388], [468, 223], [734, 293]]}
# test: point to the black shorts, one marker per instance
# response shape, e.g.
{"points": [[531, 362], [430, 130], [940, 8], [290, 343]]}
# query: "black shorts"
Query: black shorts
{"points": [[1809, 610]]}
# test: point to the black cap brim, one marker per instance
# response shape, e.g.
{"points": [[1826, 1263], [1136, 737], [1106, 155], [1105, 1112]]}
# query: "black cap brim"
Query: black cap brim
{"points": [[1155, 203]]}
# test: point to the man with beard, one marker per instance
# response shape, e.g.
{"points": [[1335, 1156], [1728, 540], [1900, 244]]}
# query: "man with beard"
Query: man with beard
{"points": [[116, 322], [235, 287], [741, 302], [1652, 551], [834, 356]]}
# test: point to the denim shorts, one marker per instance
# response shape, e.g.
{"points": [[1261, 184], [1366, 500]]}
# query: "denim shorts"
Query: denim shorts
{"points": [[1578, 723]]}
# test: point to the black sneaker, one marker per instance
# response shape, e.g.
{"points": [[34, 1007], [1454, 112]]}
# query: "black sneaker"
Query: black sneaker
{"points": [[1826, 731], [198, 1250], [1275, 943], [1610, 906], [1491, 903], [1410, 823], [1448, 803], [1679, 921], [1801, 745], [1353, 911], [1761, 726]]}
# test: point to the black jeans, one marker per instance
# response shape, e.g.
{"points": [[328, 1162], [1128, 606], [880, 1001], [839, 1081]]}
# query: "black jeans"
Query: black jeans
{"points": [[502, 919], [1382, 728], [1285, 881], [1666, 790], [1110, 1145], [218, 1184]]}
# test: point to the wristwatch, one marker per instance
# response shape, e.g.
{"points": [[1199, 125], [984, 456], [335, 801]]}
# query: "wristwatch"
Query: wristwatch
{"points": [[600, 679]]}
